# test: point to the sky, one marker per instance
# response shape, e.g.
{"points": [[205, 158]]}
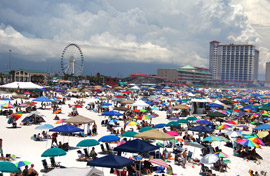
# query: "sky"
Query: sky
{"points": [[121, 37]]}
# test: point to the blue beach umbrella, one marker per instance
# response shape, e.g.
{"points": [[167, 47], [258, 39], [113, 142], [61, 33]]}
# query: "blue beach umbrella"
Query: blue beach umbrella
{"points": [[160, 125], [109, 138]]}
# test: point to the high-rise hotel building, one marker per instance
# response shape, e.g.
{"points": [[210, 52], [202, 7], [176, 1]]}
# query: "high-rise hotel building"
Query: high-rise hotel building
{"points": [[233, 63]]}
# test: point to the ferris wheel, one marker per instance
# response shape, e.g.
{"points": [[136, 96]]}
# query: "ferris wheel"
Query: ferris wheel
{"points": [[72, 60]]}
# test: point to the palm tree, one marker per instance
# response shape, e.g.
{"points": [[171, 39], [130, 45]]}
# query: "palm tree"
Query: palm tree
{"points": [[12, 75]]}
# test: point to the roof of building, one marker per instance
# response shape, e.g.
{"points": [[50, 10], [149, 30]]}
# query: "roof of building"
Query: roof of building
{"points": [[32, 71], [236, 45], [196, 72], [188, 67], [214, 41]]}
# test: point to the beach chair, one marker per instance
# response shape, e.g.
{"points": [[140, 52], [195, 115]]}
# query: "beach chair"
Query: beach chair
{"points": [[189, 156], [203, 170], [53, 163], [86, 154], [109, 149], [46, 168], [103, 151]]}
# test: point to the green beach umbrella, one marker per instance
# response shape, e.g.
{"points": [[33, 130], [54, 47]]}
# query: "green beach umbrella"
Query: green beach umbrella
{"points": [[192, 118], [143, 110], [145, 129], [211, 138], [22, 163], [52, 152], [173, 123], [6, 166], [128, 134], [88, 143], [183, 121], [222, 138]]}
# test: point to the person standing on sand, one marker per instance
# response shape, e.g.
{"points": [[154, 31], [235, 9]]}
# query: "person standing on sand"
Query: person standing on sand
{"points": [[54, 139]]}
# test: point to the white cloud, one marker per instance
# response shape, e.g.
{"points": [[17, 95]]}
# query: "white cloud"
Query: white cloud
{"points": [[161, 31]]}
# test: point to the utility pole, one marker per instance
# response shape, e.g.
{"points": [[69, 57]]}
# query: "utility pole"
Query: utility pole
{"points": [[9, 65]]}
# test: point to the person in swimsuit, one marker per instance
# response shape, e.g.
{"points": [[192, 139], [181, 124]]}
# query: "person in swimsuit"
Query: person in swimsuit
{"points": [[32, 171]]}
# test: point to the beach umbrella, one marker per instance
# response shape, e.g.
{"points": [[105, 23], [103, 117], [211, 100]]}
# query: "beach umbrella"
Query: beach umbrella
{"points": [[129, 134], [226, 161], [262, 134], [262, 127], [6, 166], [112, 113], [144, 117], [57, 111], [145, 129], [233, 134], [131, 123], [109, 138], [173, 118], [201, 129], [172, 133], [222, 138], [209, 159], [66, 129], [173, 123], [204, 122], [221, 155], [215, 105], [136, 146], [216, 114], [88, 143], [113, 121], [106, 104], [7, 106], [249, 135], [247, 142], [43, 99], [60, 121], [44, 127], [111, 161], [183, 121], [195, 144], [256, 140], [77, 106], [22, 163], [179, 140], [223, 126], [52, 152], [160, 125], [16, 115], [232, 122], [159, 162], [211, 138], [192, 118], [6, 99]]}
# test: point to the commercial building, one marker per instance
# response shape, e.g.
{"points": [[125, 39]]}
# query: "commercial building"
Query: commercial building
{"points": [[194, 75], [186, 74], [233, 63], [26, 75], [169, 74], [267, 75]]}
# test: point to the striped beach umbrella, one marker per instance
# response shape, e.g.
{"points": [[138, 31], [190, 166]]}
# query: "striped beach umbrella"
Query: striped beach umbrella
{"points": [[224, 126], [159, 162]]}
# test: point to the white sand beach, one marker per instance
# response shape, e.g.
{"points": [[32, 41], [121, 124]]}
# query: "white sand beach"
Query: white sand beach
{"points": [[18, 141]]}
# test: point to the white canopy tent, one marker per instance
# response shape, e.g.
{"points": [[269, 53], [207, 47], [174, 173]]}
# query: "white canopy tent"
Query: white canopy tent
{"points": [[21, 85], [72, 171], [140, 103]]}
